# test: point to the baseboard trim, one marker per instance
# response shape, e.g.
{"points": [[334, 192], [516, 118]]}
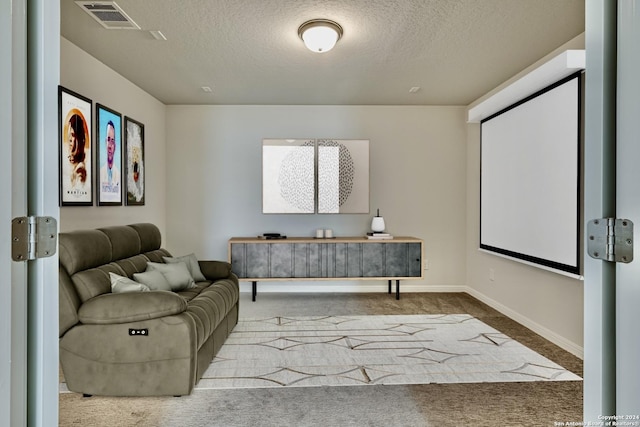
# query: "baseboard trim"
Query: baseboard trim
{"points": [[410, 286], [544, 332]]}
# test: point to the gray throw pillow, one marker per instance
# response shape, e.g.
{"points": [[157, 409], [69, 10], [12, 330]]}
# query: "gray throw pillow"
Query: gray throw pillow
{"points": [[154, 279], [124, 284], [192, 264], [177, 274]]}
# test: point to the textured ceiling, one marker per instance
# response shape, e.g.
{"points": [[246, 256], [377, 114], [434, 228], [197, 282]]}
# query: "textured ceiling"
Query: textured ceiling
{"points": [[249, 52]]}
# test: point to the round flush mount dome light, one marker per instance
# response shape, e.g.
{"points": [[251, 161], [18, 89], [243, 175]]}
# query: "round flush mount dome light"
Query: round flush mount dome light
{"points": [[320, 35]]}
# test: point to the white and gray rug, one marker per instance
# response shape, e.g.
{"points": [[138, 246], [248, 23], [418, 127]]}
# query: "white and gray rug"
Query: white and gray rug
{"points": [[361, 350]]}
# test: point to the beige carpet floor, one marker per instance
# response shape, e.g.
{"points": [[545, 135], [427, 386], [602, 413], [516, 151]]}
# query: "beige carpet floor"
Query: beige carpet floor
{"points": [[480, 404]]}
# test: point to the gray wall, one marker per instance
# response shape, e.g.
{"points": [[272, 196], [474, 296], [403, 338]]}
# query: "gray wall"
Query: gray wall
{"points": [[87, 76], [417, 176]]}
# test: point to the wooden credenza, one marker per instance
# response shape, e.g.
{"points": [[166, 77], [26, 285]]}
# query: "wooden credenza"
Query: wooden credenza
{"points": [[342, 258]]}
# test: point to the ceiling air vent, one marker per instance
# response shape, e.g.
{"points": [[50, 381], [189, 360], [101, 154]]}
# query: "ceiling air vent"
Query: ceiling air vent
{"points": [[108, 14]]}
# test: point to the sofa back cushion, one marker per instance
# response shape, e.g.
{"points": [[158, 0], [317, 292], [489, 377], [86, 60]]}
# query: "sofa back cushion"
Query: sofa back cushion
{"points": [[88, 256], [132, 265], [83, 249], [69, 303], [95, 281], [157, 255], [150, 238], [125, 241]]}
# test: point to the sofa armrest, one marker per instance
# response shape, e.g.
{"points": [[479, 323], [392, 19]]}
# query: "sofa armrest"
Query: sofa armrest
{"points": [[214, 270], [130, 307]]}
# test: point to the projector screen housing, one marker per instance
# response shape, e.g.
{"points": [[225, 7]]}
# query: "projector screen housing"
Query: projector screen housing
{"points": [[530, 179]]}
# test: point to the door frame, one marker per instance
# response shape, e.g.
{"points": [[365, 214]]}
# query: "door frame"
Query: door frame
{"points": [[628, 206], [43, 71], [599, 202], [30, 73], [611, 291], [13, 161]]}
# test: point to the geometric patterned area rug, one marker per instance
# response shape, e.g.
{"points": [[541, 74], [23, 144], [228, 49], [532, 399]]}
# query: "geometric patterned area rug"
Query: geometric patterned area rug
{"points": [[362, 350]]}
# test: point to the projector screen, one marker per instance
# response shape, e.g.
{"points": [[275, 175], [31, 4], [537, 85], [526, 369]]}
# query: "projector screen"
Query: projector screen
{"points": [[530, 179]]}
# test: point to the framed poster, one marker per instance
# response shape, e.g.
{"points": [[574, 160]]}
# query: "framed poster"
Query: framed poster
{"points": [[134, 161], [109, 156], [75, 149]]}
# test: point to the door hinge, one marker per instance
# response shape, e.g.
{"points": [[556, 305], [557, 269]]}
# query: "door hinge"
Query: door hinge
{"points": [[33, 237], [610, 239]]}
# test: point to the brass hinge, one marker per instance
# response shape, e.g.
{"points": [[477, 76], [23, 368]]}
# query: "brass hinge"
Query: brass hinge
{"points": [[33, 237], [610, 239]]}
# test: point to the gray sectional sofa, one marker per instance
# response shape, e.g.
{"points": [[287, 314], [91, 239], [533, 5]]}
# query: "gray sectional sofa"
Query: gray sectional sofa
{"points": [[138, 342]]}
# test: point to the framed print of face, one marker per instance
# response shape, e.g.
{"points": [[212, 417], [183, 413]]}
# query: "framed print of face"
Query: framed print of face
{"points": [[134, 162], [109, 156], [75, 149]]}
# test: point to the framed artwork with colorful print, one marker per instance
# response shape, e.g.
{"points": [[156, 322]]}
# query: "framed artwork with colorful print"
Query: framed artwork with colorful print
{"points": [[134, 162], [75, 149], [109, 156]]}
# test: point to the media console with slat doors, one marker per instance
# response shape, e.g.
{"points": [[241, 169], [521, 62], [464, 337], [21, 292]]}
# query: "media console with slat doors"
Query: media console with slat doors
{"points": [[342, 258]]}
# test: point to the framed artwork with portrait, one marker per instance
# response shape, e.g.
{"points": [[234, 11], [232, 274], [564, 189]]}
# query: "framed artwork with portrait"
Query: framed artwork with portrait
{"points": [[75, 149], [108, 156], [134, 162]]}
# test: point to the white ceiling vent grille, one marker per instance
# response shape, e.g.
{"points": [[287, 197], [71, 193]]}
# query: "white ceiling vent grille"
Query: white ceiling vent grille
{"points": [[108, 14]]}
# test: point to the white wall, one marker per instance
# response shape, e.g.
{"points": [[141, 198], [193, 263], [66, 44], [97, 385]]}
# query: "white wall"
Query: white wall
{"points": [[417, 176], [546, 302], [85, 75]]}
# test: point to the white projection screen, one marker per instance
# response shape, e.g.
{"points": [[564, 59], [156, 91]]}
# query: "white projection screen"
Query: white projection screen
{"points": [[530, 179]]}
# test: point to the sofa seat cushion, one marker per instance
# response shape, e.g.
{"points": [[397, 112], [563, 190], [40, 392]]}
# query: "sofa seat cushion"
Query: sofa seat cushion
{"points": [[130, 307], [208, 304]]}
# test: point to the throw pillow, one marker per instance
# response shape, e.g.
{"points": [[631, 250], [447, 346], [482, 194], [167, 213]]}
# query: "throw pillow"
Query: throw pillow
{"points": [[153, 279], [192, 264], [177, 274], [124, 284]]}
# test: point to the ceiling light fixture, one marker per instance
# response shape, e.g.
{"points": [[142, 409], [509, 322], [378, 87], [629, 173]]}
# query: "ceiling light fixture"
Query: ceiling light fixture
{"points": [[320, 35]]}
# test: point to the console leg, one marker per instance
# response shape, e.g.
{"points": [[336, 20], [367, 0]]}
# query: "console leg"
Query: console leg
{"points": [[254, 290], [389, 286], [397, 289]]}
